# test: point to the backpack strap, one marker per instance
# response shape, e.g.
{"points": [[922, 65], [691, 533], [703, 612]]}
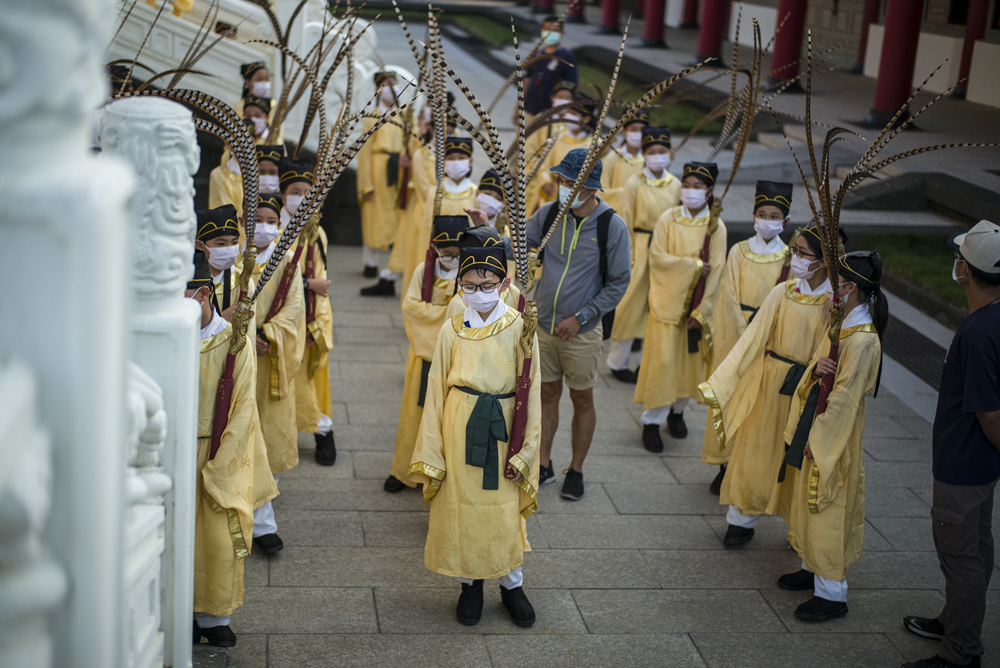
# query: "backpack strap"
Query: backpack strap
{"points": [[550, 220], [603, 225]]}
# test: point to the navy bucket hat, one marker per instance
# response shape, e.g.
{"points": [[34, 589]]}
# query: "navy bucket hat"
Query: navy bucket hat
{"points": [[572, 164]]}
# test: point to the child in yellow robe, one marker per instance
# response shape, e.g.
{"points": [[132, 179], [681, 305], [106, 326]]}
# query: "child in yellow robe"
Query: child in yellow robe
{"points": [[678, 339], [477, 513], [423, 320], [823, 495], [646, 196], [576, 133], [257, 83], [749, 394], [379, 178], [280, 344], [225, 493], [225, 182], [626, 161], [535, 143], [753, 268], [484, 236]]}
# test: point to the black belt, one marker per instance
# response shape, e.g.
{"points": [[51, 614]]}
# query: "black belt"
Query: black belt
{"points": [[425, 368], [753, 311], [793, 376], [486, 426], [795, 453], [392, 169], [649, 232]]}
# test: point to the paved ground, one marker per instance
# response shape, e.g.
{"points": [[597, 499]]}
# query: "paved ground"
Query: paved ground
{"points": [[634, 573]]}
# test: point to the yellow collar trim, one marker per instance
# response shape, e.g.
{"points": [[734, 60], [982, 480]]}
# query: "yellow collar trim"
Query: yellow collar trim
{"points": [[801, 298], [867, 327], [657, 183], [761, 259], [216, 340], [480, 333], [443, 283], [701, 221], [468, 192], [575, 140]]}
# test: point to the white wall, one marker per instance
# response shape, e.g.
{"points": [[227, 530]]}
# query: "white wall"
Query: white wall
{"points": [[984, 84], [767, 18]]}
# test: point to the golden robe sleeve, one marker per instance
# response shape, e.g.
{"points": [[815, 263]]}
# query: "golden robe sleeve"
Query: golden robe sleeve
{"points": [[421, 319], [428, 467], [671, 274], [729, 320], [526, 461], [366, 180], [705, 311], [286, 332]]}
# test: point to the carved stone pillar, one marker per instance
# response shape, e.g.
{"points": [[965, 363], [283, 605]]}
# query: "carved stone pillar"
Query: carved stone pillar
{"points": [[156, 138]]}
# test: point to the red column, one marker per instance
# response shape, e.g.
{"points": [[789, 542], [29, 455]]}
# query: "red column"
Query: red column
{"points": [[690, 19], [975, 28], [652, 31], [713, 14], [868, 17], [575, 13], [609, 18], [788, 42], [544, 6], [899, 54]]}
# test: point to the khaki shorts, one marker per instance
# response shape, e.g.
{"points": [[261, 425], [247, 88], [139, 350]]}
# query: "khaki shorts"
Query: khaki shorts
{"points": [[575, 359]]}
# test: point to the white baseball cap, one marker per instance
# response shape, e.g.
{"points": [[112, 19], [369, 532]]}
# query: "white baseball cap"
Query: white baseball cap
{"points": [[980, 246]]}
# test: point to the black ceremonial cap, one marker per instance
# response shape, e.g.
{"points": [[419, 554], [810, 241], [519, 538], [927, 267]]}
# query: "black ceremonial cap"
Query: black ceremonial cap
{"points": [[772, 193]]}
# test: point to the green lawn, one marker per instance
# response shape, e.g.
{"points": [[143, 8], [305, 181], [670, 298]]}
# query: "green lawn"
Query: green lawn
{"points": [[923, 259]]}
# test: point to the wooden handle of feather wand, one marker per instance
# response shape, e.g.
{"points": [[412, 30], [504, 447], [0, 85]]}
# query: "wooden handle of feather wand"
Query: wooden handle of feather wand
{"points": [[826, 383]]}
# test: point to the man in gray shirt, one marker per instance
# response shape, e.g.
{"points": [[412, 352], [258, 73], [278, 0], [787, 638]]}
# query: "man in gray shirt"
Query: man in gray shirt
{"points": [[576, 289]]}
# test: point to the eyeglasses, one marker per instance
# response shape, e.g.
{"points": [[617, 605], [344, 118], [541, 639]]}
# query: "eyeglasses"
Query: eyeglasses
{"points": [[802, 254], [483, 287]]}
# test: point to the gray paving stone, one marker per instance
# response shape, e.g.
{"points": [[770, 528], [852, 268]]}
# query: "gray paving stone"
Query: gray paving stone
{"points": [[907, 534], [395, 529], [896, 570], [319, 528], [723, 650], [718, 568], [650, 499], [897, 474], [690, 471], [338, 567], [890, 427], [371, 373], [310, 475], [360, 352], [888, 501], [323, 651], [639, 468], [627, 532], [313, 609], [372, 465], [381, 412], [516, 651], [366, 437], [771, 533], [676, 611], [350, 495], [432, 610], [898, 449], [250, 650], [376, 335], [362, 318], [569, 569], [255, 569], [204, 655], [595, 500]]}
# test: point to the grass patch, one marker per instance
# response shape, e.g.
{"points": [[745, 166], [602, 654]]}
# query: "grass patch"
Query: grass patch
{"points": [[477, 25], [923, 259]]}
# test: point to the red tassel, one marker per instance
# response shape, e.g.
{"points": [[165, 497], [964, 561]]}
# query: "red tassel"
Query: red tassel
{"points": [[430, 260], [223, 400], [404, 187], [826, 383], [520, 419]]}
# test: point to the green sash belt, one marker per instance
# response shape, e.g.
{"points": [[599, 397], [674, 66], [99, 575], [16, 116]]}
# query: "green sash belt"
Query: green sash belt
{"points": [[795, 452], [392, 170], [793, 376], [425, 369], [753, 311], [486, 426]]}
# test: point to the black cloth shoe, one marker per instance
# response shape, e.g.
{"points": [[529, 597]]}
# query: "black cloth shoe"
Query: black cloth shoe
{"points": [[269, 543], [818, 609], [937, 662], [651, 439], [676, 426], [546, 474], [625, 375], [219, 636], [326, 449], [384, 288], [470, 603], [924, 627], [800, 580], [517, 604], [370, 271], [736, 536], [572, 488], [393, 484], [716, 486]]}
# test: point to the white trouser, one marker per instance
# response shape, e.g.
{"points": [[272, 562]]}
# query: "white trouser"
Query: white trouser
{"points": [[738, 519], [207, 621], [620, 353], [263, 519], [512, 580], [325, 424], [369, 256], [659, 415], [831, 590], [387, 275]]}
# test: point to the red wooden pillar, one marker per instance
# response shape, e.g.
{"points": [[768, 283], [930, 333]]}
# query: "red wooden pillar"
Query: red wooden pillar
{"points": [[975, 28], [868, 17], [690, 18], [652, 30], [713, 15], [788, 41], [575, 13], [899, 54], [609, 18]]}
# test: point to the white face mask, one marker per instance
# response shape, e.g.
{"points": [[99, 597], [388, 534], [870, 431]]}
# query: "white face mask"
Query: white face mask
{"points": [[489, 205], [482, 301], [800, 268], [560, 102], [233, 166], [259, 126], [264, 234], [261, 88], [564, 192], [292, 202], [448, 263], [768, 229], [224, 257], [572, 123], [633, 139], [658, 162], [457, 169], [693, 198], [269, 183], [389, 94]]}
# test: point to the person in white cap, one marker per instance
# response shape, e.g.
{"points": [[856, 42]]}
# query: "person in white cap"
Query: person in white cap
{"points": [[966, 455]]}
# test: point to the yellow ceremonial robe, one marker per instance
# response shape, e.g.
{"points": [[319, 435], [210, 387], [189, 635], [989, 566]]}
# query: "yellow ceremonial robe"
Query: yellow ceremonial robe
{"points": [[421, 182], [225, 486], [668, 371], [423, 321], [643, 202], [620, 166], [419, 237], [312, 380], [286, 332], [748, 279], [824, 503], [563, 145], [379, 215], [225, 187], [747, 410], [534, 147], [476, 533]]}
